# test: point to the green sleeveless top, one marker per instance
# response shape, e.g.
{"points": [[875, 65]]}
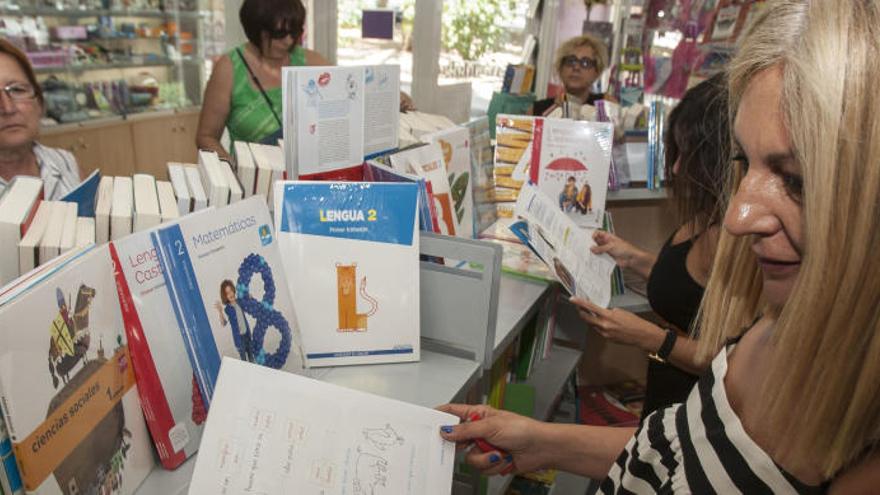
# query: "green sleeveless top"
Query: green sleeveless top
{"points": [[249, 117]]}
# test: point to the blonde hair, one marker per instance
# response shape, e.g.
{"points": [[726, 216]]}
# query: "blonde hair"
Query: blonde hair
{"points": [[824, 377], [573, 44]]}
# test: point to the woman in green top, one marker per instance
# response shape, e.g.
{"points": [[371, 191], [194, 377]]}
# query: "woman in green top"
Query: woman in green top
{"points": [[244, 92]]}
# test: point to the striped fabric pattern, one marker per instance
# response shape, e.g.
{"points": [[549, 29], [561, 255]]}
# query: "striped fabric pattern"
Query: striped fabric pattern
{"points": [[58, 169], [699, 447]]}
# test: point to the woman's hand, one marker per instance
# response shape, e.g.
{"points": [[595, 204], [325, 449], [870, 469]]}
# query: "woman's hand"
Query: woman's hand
{"points": [[625, 254], [621, 326], [406, 103], [517, 438]]}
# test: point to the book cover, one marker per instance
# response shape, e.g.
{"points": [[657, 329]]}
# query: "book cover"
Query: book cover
{"points": [[377, 172], [158, 352], [227, 287], [513, 146], [570, 163], [85, 194], [564, 247], [276, 433], [351, 253], [10, 480], [427, 162], [68, 389], [456, 147]]}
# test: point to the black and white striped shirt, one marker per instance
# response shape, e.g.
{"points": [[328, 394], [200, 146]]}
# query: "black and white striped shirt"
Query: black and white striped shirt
{"points": [[58, 169], [699, 447]]}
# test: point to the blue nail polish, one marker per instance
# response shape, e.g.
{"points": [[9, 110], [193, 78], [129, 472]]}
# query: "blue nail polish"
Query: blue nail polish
{"points": [[494, 458], [509, 458], [446, 429]]}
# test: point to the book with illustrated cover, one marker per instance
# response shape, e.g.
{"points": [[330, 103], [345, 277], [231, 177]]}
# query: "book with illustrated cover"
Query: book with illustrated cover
{"points": [[570, 163], [427, 162], [164, 374], [377, 172], [564, 247], [68, 388], [513, 149], [227, 287], [274, 433], [351, 253], [456, 147]]}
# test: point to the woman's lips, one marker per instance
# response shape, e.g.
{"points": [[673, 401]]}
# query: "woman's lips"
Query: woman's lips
{"points": [[778, 268]]}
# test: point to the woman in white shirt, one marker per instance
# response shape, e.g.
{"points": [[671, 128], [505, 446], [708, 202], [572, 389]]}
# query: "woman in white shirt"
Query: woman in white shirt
{"points": [[21, 105]]}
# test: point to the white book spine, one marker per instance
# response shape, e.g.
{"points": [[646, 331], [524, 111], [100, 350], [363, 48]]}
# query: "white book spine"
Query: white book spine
{"points": [[121, 210]]}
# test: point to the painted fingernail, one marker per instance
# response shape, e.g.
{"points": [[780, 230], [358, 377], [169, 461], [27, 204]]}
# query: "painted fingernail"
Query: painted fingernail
{"points": [[494, 458], [509, 458], [446, 429]]}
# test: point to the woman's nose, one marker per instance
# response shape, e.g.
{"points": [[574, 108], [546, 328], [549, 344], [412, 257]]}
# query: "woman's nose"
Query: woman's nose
{"points": [[750, 210]]}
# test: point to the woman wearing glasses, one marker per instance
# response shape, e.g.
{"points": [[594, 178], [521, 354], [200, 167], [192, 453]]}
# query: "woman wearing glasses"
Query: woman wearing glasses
{"points": [[21, 106], [244, 92], [579, 62]]}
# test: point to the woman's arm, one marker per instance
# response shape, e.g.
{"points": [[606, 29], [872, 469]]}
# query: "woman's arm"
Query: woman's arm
{"points": [[215, 108], [626, 328], [530, 444], [315, 58]]}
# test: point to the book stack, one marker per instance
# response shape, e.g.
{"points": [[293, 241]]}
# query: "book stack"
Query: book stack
{"points": [[18, 207]]}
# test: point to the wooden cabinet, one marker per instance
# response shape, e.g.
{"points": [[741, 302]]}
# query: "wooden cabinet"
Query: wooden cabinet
{"points": [[142, 143]]}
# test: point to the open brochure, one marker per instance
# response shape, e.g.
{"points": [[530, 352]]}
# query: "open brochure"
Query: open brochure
{"points": [[276, 433], [563, 246]]}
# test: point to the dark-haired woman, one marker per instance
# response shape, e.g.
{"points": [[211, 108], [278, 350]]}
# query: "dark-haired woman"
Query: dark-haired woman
{"points": [[696, 144], [244, 92]]}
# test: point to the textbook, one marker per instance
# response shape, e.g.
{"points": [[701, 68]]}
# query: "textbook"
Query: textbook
{"points": [[85, 194], [456, 147], [10, 480], [427, 162], [68, 388], [377, 172], [227, 288], [277, 434], [351, 253], [18, 206], [563, 247], [159, 357], [570, 163]]}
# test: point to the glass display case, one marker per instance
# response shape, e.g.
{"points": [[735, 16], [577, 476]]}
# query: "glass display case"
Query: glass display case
{"points": [[104, 58]]}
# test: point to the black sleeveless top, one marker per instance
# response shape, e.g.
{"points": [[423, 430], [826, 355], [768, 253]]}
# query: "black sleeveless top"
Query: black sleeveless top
{"points": [[675, 296]]}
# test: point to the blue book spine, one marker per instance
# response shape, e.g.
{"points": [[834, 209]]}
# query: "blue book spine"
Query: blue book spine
{"points": [[189, 308], [10, 479]]}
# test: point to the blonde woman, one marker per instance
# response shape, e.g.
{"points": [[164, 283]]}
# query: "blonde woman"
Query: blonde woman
{"points": [[579, 63], [791, 403]]}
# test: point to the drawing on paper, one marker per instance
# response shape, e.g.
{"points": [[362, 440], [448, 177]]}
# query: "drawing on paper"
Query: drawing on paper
{"points": [[346, 295], [69, 335], [323, 473], [370, 471], [383, 438]]}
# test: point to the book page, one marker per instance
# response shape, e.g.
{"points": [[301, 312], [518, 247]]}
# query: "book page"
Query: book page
{"points": [[565, 247], [329, 114], [277, 433], [381, 108]]}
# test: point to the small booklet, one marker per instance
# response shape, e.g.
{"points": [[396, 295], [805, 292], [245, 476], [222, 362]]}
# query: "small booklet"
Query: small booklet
{"points": [[227, 287], [276, 433], [351, 253], [456, 147], [563, 246]]}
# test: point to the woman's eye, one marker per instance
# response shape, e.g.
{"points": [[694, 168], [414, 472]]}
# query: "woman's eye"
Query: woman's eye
{"points": [[794, 185]]}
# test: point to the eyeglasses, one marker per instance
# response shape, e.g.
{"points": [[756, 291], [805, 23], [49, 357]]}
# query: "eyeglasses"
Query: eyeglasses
{"points": [[585, 63], [279, 34], [20, 92]]}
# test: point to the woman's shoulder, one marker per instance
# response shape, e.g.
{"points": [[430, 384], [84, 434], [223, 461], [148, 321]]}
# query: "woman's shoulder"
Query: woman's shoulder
{"points": [[541, 106], [311, 57]]}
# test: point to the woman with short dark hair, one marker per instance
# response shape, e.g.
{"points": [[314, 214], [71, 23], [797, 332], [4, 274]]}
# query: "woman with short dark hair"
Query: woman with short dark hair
{"points": [[21, 106], [244, 92]]}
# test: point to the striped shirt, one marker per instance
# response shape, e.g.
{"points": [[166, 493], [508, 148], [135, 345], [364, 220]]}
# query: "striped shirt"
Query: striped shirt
{"points": [[58, 169], [699, 446]]}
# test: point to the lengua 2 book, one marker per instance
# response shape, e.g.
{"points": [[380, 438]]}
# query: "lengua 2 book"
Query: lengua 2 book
{"points": [[351, 253], [227, 286], [68, 387], [175, 415]]}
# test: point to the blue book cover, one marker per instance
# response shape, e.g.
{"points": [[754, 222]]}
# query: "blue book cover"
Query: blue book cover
{"points": [[85, 194], [10, 479], [351, 252], [376, 172], [228, 290]]}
